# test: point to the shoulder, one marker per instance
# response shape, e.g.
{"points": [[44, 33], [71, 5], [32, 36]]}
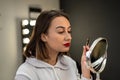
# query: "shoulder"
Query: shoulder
{"points": [[68, 57], [68, 60], [25, 69], [24, 66]]}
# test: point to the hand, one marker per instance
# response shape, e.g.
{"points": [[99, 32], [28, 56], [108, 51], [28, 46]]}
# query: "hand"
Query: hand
{"points": [[85, 70]]}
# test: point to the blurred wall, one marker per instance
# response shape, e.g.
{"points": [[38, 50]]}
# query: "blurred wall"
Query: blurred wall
{"points": [[93, 19], [11, 11]]}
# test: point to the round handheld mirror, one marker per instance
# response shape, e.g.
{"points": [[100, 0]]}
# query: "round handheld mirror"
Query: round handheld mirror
{"points": [[97, 55]]}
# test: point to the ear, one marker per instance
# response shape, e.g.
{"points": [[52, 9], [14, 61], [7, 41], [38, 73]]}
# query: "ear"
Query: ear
{"points": [[43, 37]]}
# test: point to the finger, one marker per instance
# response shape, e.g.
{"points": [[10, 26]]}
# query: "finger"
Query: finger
{"points": [[84, 50], [87, 47]]}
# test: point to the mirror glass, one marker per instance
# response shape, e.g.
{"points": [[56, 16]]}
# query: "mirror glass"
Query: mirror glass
{"points": [[97, 56]]}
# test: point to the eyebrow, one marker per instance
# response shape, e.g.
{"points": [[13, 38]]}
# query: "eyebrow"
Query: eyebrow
{"points": [[62, 27]]}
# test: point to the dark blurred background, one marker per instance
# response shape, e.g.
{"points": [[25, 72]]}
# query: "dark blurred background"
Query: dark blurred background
{"points": [[93, 19]]}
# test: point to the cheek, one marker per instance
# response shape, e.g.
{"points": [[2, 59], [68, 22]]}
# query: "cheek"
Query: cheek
{"points": [[54, 43], [56, 39]]}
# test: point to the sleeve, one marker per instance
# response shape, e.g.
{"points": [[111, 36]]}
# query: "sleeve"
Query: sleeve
{"points": [[21, 77], [83, 78], [80, 77]]}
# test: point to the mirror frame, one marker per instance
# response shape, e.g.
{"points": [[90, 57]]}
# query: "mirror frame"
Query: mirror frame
{"points": [[102, 60]]}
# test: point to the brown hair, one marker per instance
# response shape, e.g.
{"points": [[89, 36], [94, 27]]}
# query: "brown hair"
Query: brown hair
{"points": [[36, 47]]}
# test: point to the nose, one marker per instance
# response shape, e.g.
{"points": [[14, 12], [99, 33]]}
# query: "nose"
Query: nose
{"points": [[68, 37]]}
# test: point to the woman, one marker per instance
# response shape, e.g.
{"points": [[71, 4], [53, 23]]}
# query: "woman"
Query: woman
{"points": [[46, 53]]}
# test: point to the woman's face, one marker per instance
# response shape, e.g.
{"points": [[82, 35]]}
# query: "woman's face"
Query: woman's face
{"points": [[59, 37]]}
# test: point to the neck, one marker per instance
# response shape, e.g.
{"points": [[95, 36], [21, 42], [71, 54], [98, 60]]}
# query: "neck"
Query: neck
{"points": [[53, 58]]}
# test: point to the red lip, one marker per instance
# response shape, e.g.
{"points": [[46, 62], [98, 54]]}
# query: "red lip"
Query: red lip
{"points": [[67, 44]]}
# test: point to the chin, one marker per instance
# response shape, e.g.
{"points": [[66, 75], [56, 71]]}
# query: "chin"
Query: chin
{"points": [[65, 50]]}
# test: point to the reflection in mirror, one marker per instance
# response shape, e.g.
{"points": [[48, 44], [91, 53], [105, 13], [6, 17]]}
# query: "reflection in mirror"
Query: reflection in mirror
{"points": [[97, 56]]}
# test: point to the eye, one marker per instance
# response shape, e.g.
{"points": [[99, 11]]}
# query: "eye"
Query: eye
{"points": [[70, 31], [60, 32]]}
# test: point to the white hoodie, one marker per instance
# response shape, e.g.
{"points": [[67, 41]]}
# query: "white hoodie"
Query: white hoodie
{"points": [[33, 69]]}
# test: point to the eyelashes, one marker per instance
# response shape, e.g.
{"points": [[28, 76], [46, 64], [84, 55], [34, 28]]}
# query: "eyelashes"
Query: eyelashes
{"points": [[70, 31]]}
